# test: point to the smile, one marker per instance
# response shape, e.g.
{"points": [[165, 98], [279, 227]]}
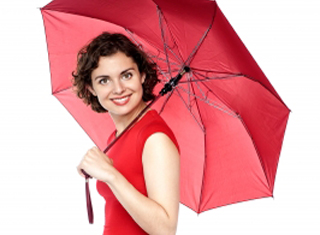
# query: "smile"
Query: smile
{"points": [[121, 100]]}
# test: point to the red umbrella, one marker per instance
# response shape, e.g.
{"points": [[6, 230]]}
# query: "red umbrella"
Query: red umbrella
{"points": [[227, 117]]}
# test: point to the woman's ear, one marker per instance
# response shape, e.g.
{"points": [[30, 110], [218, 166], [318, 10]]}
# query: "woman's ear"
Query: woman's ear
{"points": [[91, 90], [143, 78]]}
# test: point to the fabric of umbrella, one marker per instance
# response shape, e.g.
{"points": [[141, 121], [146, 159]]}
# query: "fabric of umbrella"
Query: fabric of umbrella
{"points": [[227, 117]]}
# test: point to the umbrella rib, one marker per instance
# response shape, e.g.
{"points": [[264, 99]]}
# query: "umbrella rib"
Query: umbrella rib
{"points": [[257, 150], [151, 56], [209, 102], [212, 71], [234, 113], [60, 91], [275, 95], [207, 80], [177, 56], [234, 75], [197, 106], [189, 106], [227, 76], [186, 105], [204, 141], [168, 96], [173, 39], [164, 74], [189, 85], [133, 39], [164, 41], [163, 38], [201, 91], [161, 59], [195, 49]]}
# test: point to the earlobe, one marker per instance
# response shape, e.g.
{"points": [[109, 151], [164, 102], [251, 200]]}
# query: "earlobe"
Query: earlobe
{"points": [[91, 90]]}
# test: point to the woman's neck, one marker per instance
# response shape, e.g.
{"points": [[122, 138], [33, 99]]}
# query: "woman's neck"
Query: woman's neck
{"points": [[122, 121]]}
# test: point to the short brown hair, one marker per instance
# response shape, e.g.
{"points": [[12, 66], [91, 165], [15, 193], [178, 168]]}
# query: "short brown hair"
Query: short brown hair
{"points": [[107, 44]]}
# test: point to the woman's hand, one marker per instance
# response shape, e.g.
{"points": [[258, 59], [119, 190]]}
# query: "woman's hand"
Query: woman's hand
{"points": [[97, 165]]}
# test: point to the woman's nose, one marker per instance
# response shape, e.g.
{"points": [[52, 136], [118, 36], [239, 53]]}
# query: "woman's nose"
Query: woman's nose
{"points": [[118, 87]]}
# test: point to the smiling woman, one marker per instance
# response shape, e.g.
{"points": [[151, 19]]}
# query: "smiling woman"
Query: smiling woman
{"points": [[106, 45], [139, 175]]}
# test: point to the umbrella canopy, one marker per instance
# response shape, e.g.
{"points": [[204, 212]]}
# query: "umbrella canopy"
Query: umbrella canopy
{"points": [[227, 117]]}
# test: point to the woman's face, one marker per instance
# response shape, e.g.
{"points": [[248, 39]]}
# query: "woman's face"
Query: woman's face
{"points": [[117, 83]]}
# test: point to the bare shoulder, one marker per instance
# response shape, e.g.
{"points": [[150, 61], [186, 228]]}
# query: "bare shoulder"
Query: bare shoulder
{"points": [[161, 162], [161, 166]]}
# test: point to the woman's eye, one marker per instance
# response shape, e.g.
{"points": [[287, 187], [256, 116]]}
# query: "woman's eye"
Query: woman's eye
{"points": [[104, 81], [127, 76]]}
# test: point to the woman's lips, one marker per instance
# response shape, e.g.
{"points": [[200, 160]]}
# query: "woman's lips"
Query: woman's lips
{"points": [[120, 101]]}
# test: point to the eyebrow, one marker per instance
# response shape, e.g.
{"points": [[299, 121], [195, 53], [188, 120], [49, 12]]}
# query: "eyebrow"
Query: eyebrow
{"points": [[107, 76]]}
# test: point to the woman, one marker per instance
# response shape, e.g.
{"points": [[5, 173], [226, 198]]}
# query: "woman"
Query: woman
{"points": [[139, 176]]}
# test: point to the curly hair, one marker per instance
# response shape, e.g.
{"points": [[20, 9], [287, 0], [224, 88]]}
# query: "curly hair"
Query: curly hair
{"points": [[107, 44]]}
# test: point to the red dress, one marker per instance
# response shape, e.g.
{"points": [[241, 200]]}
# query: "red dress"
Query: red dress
{"points": [[127, 159]]}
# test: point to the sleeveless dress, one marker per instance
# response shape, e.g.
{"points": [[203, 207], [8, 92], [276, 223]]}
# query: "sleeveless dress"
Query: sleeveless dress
{"points": [[127, 159]]}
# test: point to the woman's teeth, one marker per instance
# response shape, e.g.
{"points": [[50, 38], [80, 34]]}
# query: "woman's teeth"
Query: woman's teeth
{"points": [[121, 99]]}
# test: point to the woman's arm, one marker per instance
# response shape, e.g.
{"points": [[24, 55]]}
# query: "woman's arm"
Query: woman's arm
{"points": [[157, 213]]}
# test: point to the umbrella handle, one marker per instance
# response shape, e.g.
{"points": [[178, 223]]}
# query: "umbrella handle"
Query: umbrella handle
{"points": [[88, 197], [89, 203]]}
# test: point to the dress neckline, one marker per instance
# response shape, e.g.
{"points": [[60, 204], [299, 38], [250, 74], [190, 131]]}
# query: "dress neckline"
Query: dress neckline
{"points": [[148, 112]]}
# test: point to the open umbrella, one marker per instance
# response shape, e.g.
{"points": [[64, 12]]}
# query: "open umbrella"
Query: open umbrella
{"points": [[227, 117]]}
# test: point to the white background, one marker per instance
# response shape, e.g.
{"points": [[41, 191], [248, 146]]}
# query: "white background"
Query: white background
{"points": [[41, 144]]}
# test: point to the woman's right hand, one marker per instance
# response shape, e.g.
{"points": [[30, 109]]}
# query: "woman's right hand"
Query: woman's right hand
{"points": [[98, 165]]}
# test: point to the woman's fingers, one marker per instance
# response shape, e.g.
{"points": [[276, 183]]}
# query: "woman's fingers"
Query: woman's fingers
{"points": [[80, 171], [93, 160]]}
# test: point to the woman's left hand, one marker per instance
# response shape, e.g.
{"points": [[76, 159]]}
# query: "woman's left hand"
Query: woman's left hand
{"points": [[97, 164]]}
